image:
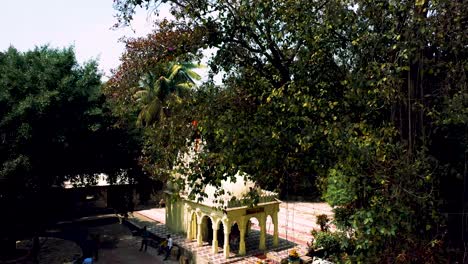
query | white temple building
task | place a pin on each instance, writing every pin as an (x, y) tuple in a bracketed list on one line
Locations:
[(222, 221)]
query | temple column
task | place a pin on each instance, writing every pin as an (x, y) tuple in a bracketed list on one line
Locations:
[(186, 221), (199, 234), (262, 222), (215, 237), (227, 231), (189, 226), (168, 211), (275, 230), (242, 229)]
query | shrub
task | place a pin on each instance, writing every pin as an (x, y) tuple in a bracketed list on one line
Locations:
[(331, 245), (323, 222)]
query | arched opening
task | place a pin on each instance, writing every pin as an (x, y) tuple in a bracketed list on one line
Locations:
[(270, 226), (234, 237), (252, 234), (207, 229), (270, 229), (220, 234)]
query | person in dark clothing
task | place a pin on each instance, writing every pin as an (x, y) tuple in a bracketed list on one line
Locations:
[(95, 246), (145, 239), (162, 246), (36, 247), (91, 247)]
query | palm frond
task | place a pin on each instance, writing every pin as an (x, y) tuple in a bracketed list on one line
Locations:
[(159, 93), (184, 86), (193, 75), (140, 95), (174, 71)]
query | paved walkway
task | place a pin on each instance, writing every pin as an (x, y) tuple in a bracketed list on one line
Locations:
[(296, 219), (121, 247)]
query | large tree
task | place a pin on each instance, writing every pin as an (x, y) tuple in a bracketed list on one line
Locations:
[(369, 97), (54, 125), (156, 79), (265, 52)]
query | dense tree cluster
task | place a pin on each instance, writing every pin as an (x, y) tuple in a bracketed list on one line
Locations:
[(365, 99), (55, 125)]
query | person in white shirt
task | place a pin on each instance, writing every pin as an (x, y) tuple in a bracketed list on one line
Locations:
[(169, 247)]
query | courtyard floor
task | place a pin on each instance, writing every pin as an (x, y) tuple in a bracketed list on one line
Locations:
[(296, 220), (123, 247), (118, 246)]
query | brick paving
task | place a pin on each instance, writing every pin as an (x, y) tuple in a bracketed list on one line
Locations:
[(296, 220)]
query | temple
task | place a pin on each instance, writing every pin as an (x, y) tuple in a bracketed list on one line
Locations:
[(222, 220)]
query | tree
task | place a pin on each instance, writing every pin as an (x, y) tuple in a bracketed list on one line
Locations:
[(366, 97), (258, 45), (392, 157), (155, 77), (54, 125), (156, 95)]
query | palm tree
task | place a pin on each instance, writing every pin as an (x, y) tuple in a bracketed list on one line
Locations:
[(156, 93)]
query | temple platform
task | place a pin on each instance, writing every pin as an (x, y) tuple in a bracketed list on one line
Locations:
[(296, 220)]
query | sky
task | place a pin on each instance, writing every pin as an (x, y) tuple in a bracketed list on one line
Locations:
[(84, 24)]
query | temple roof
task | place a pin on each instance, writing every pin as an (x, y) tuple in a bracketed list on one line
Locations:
[(236, 189), (236, 193)]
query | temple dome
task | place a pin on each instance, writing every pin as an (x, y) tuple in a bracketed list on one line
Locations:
[(239, 188), (236, 188)]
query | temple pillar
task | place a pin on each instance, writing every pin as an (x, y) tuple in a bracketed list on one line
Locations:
[(242, 229), (168, 211), (215, 237), (186, 214), (199, 233), (275, 230), (227, 231), (189, 226), (262, 222)]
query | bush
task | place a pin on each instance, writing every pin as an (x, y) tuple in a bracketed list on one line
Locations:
[(322, 221), (331, 245), (342, 215)]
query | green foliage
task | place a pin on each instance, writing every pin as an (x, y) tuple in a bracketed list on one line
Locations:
[(366, 98), (390, 177), (151, 94), (54, 126), (333, 246), (323, 222), (157, 95)]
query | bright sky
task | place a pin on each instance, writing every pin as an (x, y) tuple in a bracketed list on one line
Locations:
[(85, 24)]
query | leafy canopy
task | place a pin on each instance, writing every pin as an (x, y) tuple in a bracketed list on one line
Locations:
[(366, 99), (54, 125)]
